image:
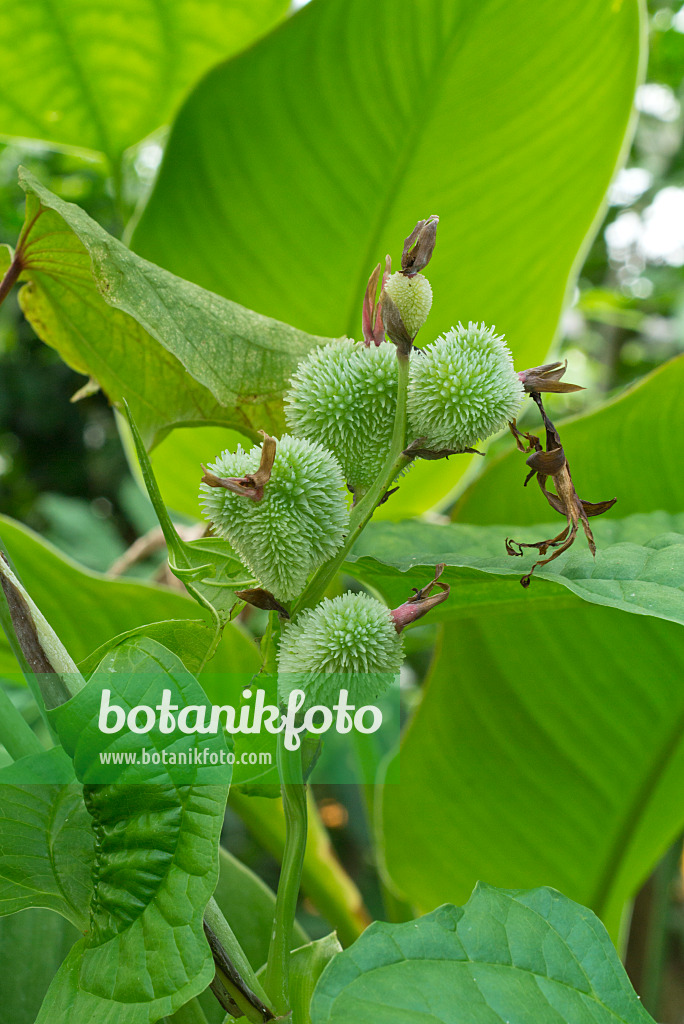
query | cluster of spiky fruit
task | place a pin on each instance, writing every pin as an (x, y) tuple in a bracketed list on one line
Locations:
[(462, 389), (341, 408)]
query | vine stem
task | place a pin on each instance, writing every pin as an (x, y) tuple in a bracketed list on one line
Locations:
[(11, 276), (363, 511), (293, 792)]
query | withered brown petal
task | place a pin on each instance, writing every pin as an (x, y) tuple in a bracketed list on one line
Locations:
[(597, 508), (547, 463), (419, 246), (260, 598)]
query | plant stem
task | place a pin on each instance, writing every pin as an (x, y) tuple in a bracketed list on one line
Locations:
[(11, 275), (363, 511), (224, 933), (294, 804), (324, 880), (15, 733)]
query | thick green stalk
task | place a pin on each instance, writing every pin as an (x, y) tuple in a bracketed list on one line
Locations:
[(363, 511), (189, 1013), (16, 734), (293, 792), (324, 880)]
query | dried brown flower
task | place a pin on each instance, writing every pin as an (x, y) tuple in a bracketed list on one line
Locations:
[(552, 464)]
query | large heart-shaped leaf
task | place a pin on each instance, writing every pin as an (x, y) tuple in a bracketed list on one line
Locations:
[(156, 847), (629, 447), (104, 77), (505, 118), (46, 845), (177, 353), (639, 565), (506, 957), (548, 749)]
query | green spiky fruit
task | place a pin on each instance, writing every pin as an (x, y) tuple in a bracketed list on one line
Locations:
[(344, 396), (463, 388), (413, 298), (299, 523), (348, 642)]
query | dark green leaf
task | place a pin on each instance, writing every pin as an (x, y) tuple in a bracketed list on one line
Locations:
[(505, 118), (32, 946), (84, 608), (155, 864), (46, 846), (639, 565), (506, 957)]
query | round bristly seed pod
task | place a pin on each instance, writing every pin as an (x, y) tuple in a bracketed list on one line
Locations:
[(298, 524), (413, 298), (348, 642), (344, 396), (463, 388)]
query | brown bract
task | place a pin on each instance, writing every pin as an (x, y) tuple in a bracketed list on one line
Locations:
[(373, 327), (419, 246), (547, 378), (252, 485), (553, 465)]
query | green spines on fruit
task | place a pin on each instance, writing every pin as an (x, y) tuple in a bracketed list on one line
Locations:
[(413, 298), (298, 524), (349, 642), (344, 396), (463, 388)]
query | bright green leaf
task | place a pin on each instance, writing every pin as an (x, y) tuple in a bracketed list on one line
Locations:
[(177, 353), (506, 957), (639, 565), (306, 966), (548, 749), (628, 448), (102, 78), (505, 118)]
